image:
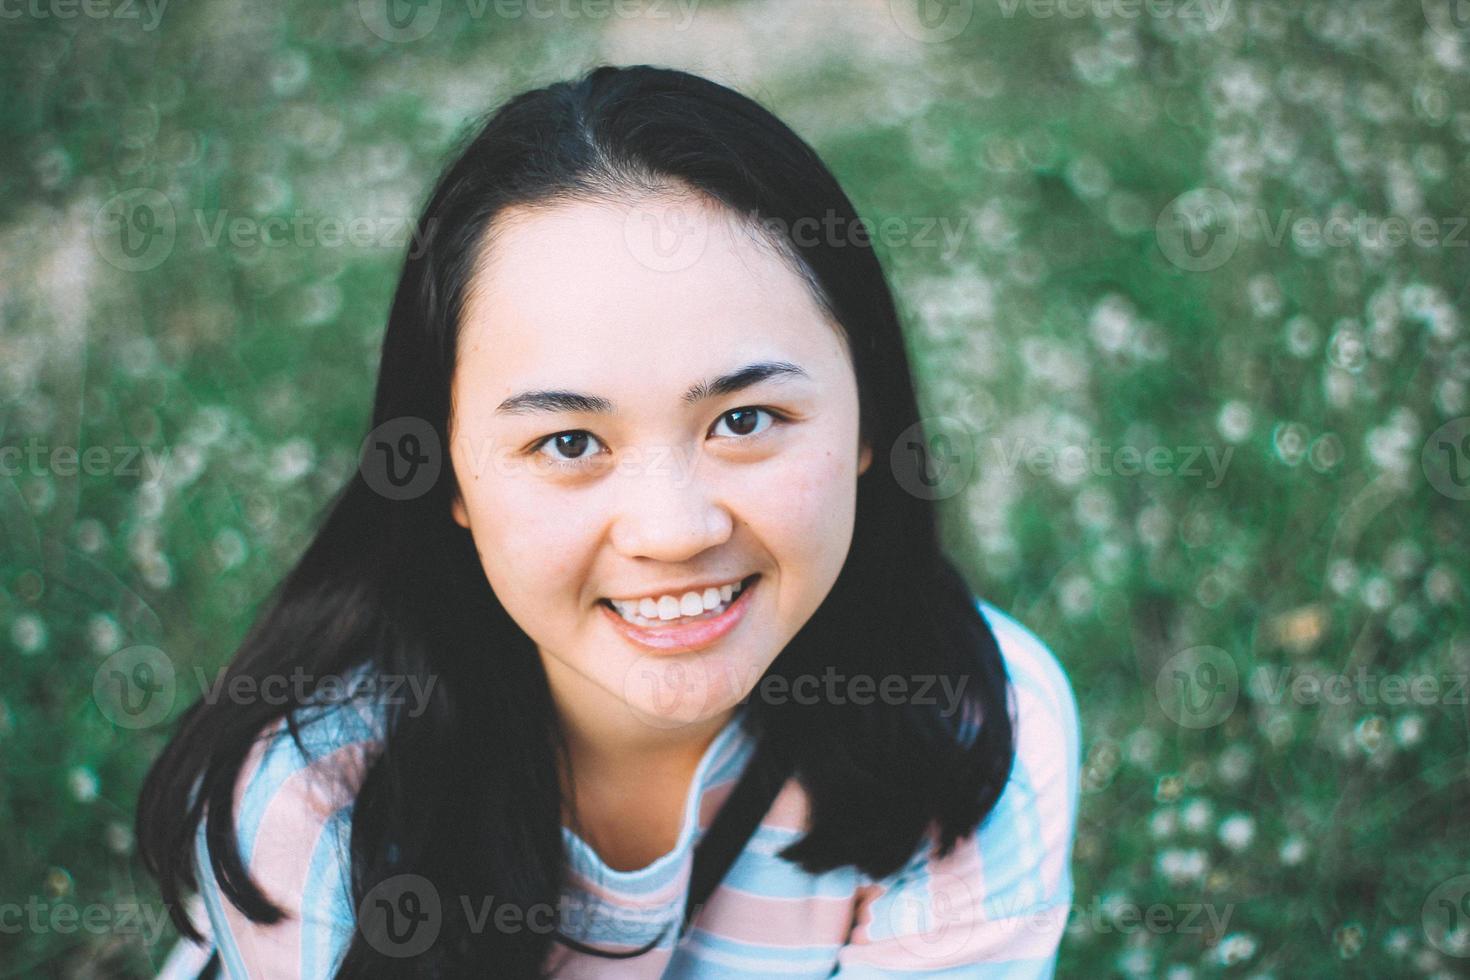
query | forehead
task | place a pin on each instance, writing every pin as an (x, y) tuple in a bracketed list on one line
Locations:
[(653, 282)]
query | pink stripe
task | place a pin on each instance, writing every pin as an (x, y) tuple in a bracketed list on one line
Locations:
[(253, 760), (1042, 751), (791, 809), (710, 802), (760, 920), (1025, 654), (714, 797), (936, 922), (289, 831), (959, 944)]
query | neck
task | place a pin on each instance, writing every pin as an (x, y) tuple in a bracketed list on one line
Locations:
[(611, 746), (600, 750)]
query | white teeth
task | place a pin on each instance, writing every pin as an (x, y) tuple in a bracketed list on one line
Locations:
[(651, 611)]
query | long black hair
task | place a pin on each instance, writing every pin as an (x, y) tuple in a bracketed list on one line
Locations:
[(466, 793)]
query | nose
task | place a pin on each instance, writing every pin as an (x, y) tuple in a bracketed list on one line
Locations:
[(666, 513)]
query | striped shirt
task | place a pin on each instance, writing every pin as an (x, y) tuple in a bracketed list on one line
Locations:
[(996, 906)]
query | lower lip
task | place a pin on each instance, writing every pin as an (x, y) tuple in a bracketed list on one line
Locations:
[(689, 636)]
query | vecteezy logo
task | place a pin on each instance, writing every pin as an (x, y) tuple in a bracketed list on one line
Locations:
[(1197, 230), (399, 21), (401, 916), (664, 692), (934, 458), (1449, 18), (134, 688), (932, 21), (1198, 687), (666, 235), (135, 230), (401, 458), (1446, 458), (935, 921), (1446, 916)]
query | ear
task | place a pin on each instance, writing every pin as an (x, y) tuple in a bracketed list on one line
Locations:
[(865, 458), (458, 512)]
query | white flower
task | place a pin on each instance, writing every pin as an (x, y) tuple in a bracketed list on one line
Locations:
[(1237, 831), (1369, 732), (292, 460), (1111, 323), (29, 632), (1342, 575), (1398, 941), (1377, 593), (1301, 335), (1163, 823), (1076, 596), (1234, 763), (1403, 621), (1264, 294), (1137, 963), (230, 549), (104, 633), (1409, 730), (1154, 524), (1234, 421), (1235, 948), (1290, 440), (1143, 747), (1182, 865), (1440, 585), (1094, 507), (90, 535), (1197, 814), (83, 784), (119, 837), (1403, 558)]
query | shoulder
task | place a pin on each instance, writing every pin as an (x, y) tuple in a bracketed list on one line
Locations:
[(293, 796), (1046, 774), (1040, 799), (292, 818), (1001, 895), (1036, 813), (283, 783), (1033, 668)]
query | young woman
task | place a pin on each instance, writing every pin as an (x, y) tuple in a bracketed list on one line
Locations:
[(653, 665)]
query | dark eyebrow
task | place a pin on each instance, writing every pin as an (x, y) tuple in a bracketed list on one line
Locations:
[(535, 402)]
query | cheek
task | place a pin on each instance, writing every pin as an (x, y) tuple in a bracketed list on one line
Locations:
[(803, 509), (529, 543)]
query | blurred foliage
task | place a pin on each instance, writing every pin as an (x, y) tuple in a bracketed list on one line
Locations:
[(1306, 405)]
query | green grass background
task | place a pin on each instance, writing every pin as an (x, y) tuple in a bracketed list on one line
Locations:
[(1334, 538)]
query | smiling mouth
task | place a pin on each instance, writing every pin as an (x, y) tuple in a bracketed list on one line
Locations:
[(654, 623)]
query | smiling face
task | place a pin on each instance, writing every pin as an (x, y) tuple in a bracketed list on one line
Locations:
[(663, 476)]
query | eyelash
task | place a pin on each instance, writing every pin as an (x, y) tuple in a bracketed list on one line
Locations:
[(778, 418)]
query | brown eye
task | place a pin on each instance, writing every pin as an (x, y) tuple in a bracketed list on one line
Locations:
[(569, 447), (744, 422)]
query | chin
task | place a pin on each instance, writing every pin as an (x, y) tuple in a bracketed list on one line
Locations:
[(672, 692)]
